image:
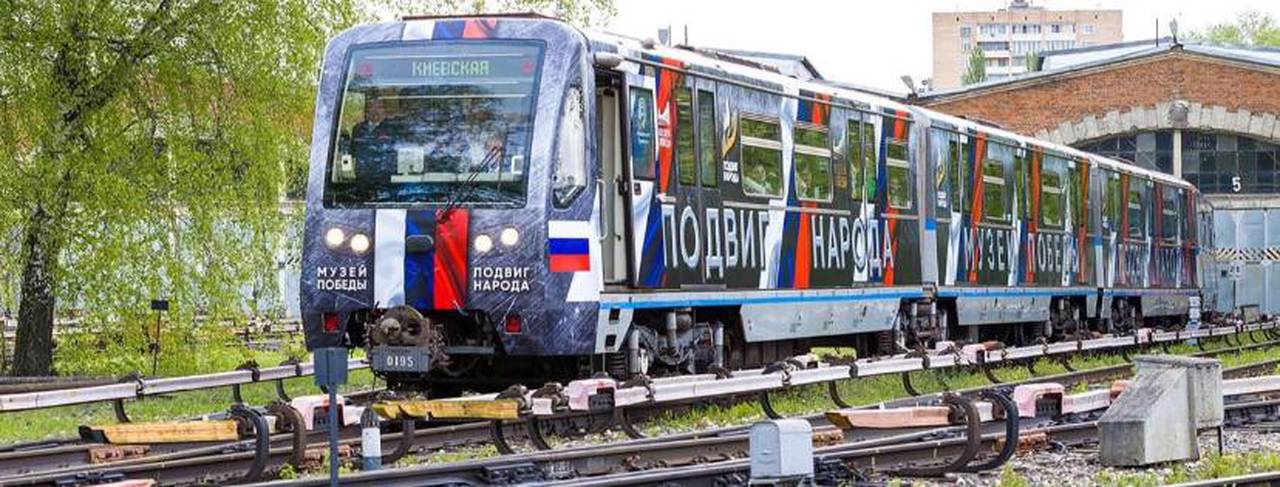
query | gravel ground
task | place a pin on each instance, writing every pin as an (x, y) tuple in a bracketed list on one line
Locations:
[(1060, 466)]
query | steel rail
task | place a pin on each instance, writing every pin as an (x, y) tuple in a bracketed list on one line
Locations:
[(143, 387), (848, 457), (475, 432), (706, 452), (761, 381), (1263, 478)]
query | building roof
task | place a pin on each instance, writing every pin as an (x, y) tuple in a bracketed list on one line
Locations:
[(1058, 63), (794, 65)]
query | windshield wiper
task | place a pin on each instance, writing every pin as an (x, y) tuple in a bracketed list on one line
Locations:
[(468, 186)]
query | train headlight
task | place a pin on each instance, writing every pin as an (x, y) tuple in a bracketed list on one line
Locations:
[(509, 236), (483, 243), (359, 243), (334, 237)]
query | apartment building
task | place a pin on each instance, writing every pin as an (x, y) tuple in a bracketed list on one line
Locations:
[(1008, 35)]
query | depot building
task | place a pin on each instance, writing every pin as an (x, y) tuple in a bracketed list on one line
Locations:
[(1204, 113)]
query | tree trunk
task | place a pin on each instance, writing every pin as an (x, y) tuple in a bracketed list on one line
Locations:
[(33, 350)]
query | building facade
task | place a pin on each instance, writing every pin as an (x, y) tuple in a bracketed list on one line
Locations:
[(1009, 36), (1205, 113)]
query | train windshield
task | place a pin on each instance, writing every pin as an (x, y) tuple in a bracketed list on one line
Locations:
[(435, 123)]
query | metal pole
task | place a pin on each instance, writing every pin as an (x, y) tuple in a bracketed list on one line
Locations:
[(155, 347), (333, 435)]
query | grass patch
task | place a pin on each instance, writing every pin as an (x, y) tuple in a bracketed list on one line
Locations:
[(1011, 478), (1212, 466), (62, 422)]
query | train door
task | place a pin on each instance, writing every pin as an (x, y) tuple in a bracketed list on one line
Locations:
[(645, 184), (710, 203), (697, 249), (611, 178)]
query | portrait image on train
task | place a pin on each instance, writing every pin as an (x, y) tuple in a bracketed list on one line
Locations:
[(500, 199)]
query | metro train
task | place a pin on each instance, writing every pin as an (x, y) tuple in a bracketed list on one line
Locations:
[(501, 199)]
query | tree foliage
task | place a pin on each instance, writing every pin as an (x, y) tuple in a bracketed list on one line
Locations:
[(1250, 29), (146, 145), (977, 67)]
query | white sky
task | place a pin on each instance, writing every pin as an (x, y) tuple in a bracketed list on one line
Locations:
[(846, 40)]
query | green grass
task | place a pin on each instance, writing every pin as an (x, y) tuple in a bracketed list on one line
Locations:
[(1011, 478), (1212, 466), (62, 422)]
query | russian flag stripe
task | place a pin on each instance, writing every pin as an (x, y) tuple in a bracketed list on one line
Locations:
[(568, 263), (569, 246)]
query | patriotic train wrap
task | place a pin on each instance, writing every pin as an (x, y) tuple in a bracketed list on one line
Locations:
[(787, 209)]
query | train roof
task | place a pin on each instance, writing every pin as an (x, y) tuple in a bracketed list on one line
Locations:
[(739, 68), (724, 61)]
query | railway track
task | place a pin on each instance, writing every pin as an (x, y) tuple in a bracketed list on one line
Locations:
[(221, 463), (718, 457)]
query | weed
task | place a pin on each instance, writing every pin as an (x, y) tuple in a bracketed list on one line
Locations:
[(1011, 478)]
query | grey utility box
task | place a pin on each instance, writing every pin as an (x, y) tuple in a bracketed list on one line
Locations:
[(781, 450), (1158, 416)]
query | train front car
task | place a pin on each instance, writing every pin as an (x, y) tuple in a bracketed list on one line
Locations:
[(448, 211)]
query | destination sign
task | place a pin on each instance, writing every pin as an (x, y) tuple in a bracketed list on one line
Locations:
[(454, 68), (516, 62)]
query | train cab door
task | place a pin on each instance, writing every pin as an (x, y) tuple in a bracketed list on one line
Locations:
[(611, 179), (701, 188)]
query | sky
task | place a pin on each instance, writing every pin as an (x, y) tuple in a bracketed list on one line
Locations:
[(846, 39)]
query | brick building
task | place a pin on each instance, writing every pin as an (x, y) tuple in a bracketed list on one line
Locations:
[(1205, 113)]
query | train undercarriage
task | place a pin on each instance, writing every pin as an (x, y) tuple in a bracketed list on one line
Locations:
[(703, 340)]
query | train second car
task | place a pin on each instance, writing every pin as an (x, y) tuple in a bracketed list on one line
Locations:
[(507, 199)]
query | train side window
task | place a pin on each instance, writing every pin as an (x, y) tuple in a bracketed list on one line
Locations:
[(1078, 182), (1171, 214), (1051, 194), (870, 160), (642, 147), (1137, 222), (856, 163), (570, 175), (684, 137), (1021, 183), (761, 157), (899, 174), (953, 171), (812, 163), (993, 189), (707, 153), (1112, 211)]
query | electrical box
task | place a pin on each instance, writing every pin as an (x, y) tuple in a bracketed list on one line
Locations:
[(781, 450), (331, 366)]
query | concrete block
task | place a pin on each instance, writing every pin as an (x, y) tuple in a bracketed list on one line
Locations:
[(781, 450), (1219, 117), (1161, 115), (1205, 379), (1067, 132), (1241, 123), (1154, 118), (1091, 127), (1268, 125), (1157, 417), (1194, 112)]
